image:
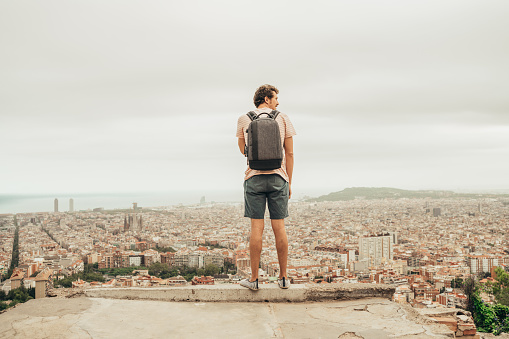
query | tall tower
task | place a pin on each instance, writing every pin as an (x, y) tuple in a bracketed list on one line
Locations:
[(55, 205), (133, 222), (71, 205), (437, 211)]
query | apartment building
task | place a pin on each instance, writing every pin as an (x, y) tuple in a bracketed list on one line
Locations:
[(485, 263), (375, 248)]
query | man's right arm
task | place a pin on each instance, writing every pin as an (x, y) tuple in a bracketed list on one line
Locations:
[(242, 144)]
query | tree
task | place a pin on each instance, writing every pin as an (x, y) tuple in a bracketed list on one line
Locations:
[(18, 295), (483, 275), (469, 289), (501, 286), (65, 282), (121, 270), (228, 267), (89, 276), (165, 249), (211, 269), (15, 250), (457, 283), (31, 292), (157, 269), (502, 277)]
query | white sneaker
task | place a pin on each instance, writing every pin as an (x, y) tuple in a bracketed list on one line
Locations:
[(283, 283), (252, 285)]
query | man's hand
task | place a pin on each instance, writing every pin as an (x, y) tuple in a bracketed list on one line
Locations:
[(289, 191)]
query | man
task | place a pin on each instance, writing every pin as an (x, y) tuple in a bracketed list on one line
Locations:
[(272, 187)]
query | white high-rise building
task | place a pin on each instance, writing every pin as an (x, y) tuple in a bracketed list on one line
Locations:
[(71, 205), (376, 247), (55, 205)]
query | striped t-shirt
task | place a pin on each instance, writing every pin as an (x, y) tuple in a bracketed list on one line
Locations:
[(286, 130)]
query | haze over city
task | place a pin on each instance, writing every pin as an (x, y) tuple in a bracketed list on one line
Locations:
[(144, 97), (121, 176)]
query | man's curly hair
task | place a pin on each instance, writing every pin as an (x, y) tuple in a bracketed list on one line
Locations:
[(262, 92)]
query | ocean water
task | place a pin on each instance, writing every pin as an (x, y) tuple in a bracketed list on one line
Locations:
[(44, 203)]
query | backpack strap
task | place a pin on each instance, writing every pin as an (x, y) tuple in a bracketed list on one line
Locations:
[(252, 115), (274, 114)]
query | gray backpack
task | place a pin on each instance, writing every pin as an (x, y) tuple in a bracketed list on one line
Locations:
[(263, 150)]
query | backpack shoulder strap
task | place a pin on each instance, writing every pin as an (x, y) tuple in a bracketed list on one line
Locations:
[(252, 115), (274, 114)]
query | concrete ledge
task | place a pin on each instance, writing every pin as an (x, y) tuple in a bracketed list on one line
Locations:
[(86, 318), (236, 293)]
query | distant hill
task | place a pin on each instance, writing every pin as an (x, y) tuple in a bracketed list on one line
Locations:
[(352, 193)]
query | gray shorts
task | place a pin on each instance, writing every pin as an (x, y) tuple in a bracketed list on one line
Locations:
[(266, 189)]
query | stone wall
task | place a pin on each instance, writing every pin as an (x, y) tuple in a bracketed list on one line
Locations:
[(236, 293)]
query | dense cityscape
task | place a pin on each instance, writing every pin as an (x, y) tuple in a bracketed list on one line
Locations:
[(426, 248)]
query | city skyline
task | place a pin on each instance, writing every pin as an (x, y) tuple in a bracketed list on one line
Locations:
[(398, 94), (42, 203)]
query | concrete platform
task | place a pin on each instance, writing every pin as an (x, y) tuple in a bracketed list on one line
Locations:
[(236, 293), (84, 317)]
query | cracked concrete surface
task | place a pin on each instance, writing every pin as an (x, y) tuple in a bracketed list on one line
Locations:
[(45, 318), (111, 318)]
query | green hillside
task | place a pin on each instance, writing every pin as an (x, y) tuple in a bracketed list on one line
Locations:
[(352, 193)]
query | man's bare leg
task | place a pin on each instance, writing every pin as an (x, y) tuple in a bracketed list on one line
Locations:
[(278, 226), (255, 246)]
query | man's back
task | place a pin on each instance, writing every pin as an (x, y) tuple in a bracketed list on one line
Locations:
[(271, 188), (286, 130)]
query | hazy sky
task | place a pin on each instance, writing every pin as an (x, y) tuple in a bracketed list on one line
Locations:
[(109, 96)]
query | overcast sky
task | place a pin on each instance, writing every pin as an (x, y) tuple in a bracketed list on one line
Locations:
[(115, 96)]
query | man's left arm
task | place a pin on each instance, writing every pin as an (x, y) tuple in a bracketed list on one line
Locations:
[(289, 162)]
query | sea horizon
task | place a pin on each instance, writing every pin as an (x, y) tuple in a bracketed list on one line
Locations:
[(40, 203)]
